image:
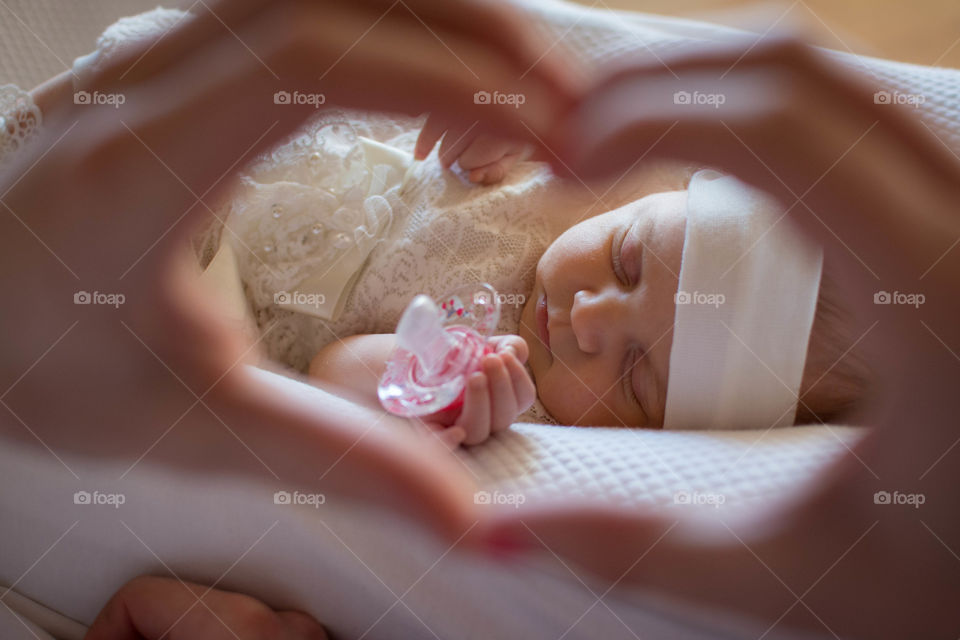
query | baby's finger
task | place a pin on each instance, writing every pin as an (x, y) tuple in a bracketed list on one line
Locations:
[(454, 143), (431, 133), (475, 417), (523, 387), (495, 171), (486, 150), (450, 437), (505, 344), (502, 399)]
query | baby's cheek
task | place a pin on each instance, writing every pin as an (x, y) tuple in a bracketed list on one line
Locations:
[(564, 397)]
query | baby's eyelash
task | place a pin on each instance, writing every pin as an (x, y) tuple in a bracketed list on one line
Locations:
[(616, 250), (631, 362)]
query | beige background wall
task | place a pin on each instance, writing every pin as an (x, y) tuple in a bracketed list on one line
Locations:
[(920, 31), (39, 38)]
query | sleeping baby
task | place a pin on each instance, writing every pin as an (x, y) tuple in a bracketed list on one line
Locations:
[(674, 301)]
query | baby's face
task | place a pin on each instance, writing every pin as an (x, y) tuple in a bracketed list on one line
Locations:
[(600, 320)]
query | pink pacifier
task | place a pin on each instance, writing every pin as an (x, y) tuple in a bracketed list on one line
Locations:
[(438, 347)]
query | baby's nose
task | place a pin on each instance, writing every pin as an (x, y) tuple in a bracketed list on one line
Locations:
[(591, 318)]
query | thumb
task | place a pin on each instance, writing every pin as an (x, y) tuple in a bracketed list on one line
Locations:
[(300, 626), (694, 557), (324, 442), (602, 539)]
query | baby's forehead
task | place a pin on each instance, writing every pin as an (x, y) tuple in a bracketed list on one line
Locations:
[(663, 212), (662, 203), (659, 207)]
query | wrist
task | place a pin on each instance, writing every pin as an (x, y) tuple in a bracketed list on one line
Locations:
[(53, 93)]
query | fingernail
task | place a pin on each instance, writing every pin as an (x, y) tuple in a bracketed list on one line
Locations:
[(505, 543)]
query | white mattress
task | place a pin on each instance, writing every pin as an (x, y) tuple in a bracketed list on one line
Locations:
[(348, 565), (71, 557), (650, 468)]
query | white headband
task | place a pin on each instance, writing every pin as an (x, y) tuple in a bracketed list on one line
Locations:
[(748, 290)]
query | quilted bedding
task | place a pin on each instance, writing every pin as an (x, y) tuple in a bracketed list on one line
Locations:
[(632, 467)]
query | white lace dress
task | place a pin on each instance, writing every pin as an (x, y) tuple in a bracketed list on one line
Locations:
[(334, 233), (20, 120)]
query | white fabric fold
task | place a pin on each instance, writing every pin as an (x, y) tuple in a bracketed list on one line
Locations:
[(388, 170)]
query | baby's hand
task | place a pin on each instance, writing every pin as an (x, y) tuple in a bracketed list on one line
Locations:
[(487, 158), (494, 396)]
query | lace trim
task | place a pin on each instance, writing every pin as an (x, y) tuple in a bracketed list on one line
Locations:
[(123, 34), (20, 120)]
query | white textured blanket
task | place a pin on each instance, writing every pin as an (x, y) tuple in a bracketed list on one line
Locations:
[(71, 559)]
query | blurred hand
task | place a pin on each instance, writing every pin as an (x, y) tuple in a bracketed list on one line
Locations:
[(151, 608), (111, 193), (422, 55), (882, 195)]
